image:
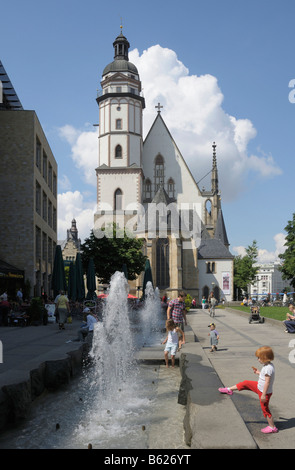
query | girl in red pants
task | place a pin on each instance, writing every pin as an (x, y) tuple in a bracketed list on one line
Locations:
[(263, 387)]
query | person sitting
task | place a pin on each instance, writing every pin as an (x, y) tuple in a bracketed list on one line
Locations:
[(290, 320)]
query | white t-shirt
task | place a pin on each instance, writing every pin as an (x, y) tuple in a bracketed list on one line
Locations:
[(91, 321), (266, 370), (172, 337)]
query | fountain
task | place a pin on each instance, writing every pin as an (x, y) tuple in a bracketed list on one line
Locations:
[(112, 406)]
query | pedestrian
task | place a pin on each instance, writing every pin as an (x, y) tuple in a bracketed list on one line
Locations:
[(203, 302), (290, 320), (264, 386), (63, 308), (19, 296), (194, 303), (176, 311), (214, 337), (213, 303), (173, 341)]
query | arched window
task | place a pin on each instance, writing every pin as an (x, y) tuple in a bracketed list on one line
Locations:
[(148, 189), (163, 277), (159, 172), (171, 188), (208, 206), (118, 200), (118, 151)]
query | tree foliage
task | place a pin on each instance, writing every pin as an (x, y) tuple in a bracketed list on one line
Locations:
[(112, 251), (288, 257), (244, 269)]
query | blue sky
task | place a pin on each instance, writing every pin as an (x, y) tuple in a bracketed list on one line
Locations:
[(237, 57)]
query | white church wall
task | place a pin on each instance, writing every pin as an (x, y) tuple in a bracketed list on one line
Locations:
[(218, 278)]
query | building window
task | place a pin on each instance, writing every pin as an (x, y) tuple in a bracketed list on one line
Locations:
[(118, 151), (50, 176), (163, 277), (211, 267), (38, 198), (38, 153), (148, 189), (159, 172), (171, 188), (54, 185), (45, 166), (44, 206), (118, 124), (118, 200)]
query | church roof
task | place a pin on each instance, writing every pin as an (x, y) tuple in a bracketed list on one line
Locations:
[(161, 196), (212, 248), (220, 230)]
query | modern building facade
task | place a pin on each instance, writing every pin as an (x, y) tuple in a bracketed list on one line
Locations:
[(28, 192), (268, 280), (146, 185)]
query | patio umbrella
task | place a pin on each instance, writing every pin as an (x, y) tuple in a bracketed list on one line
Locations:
[(147, 276), (79, 278), (72, 287), (125, 270), (58, 281), (91, 284)]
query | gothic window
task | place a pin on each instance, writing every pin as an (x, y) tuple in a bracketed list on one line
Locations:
[(163, 277), (171, 188), (159, 172), (208, 206), (118, 151), (148, 189), (118, 200)]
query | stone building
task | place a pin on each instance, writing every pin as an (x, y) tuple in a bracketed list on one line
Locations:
[(147, 186), (28, 192), (71, 245)]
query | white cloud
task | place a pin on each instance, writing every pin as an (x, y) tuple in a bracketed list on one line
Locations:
[(72, 205), (192, 110), (265, 256), (84, 147)]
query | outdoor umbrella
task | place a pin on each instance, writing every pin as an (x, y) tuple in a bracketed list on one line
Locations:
[(79, 278), (58, 281), (91, 284), (125, 270), (147, 276), (72, 288)]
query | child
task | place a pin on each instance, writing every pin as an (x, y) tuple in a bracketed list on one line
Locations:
[(172, 340), (214, 337), (263, 387)]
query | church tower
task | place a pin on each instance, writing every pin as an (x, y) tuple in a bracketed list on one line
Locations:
[(119, 174)]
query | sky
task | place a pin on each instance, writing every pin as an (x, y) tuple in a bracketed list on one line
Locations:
[(223, 70)]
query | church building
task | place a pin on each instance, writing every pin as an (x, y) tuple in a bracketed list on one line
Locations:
[(146, 186)]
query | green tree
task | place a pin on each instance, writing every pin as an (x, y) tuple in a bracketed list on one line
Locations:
[(244, 269), (288, 257), (112, 251)]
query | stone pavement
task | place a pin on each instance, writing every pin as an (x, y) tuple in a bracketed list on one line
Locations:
[(232, 363)]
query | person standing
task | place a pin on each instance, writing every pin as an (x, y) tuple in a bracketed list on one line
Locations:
[(176, 311), (172, 341), (214, 337), (63, 307), (19, 296)]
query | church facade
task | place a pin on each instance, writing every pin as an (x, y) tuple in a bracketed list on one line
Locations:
[(146, 186)]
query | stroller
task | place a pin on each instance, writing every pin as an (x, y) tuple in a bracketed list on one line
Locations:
[(255, 315)]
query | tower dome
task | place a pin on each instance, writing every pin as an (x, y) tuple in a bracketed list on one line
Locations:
[(121, 61)]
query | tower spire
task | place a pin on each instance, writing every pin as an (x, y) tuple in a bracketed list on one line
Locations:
[(214, 178)]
